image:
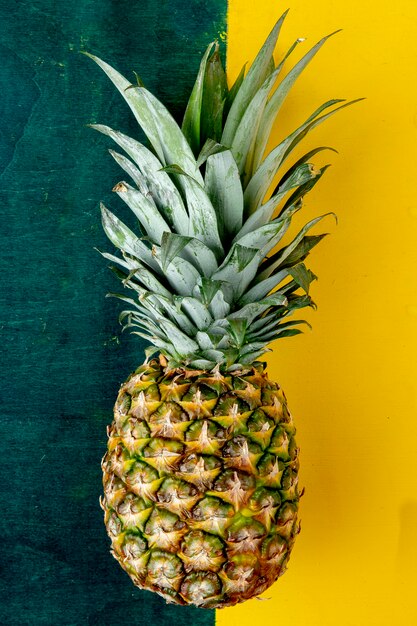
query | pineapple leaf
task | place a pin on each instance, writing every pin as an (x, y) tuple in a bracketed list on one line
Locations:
[(204, 340), (214, 96), (302, 249), (181, 275), (144, 277), (203, 364), (301, 302), (202, 215), (197, 312), (237, 330), (208, 288), (120, 296), (312, 123), (277, 99), (223, 187), (297, 167), (201, 257), (218, 306), (115, 259), (211, 295), (174, 313), (171, 246), (258, 72), (238, 271), (300, 176), (174, 144), (210, 147), (163, 190), (156, 122), (234, 90), (302, 276), (281, 257), (243, 140), (235, 263), (215, 355), (131, 169), (146, 212), (264, 175), (134, 98), (298, 254), (266, 237), (290, 332), (192, 118), (295, 199), (183, 345), (250, 357), (123, 238), (251, 311)]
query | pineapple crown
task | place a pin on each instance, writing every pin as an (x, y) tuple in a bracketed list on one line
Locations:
[(212, 285)]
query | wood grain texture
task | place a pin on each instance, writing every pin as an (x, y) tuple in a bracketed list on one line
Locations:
[(63, 360)]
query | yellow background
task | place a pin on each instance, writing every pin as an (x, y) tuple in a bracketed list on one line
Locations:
[(351, 382)]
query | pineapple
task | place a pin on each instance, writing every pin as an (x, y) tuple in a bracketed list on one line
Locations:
[(201, 472)]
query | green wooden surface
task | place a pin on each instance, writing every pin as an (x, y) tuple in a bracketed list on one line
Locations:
[(62, 360)]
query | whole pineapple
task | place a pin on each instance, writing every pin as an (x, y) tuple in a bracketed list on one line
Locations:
[(200, 476)]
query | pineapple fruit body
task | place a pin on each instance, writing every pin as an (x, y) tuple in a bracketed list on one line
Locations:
[(200, 483)]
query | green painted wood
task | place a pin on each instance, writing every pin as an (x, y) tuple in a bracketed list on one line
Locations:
[(63, 357)]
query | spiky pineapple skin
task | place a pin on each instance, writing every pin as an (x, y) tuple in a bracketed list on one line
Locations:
[(201, 483)]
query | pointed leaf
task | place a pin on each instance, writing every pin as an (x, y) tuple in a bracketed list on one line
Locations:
[(251, 357), (174, 145), (223, 187), (131, 169), (204, 341), (278, 98), (171, 246), (146, 212), (280, 258), (192, 117), (234, 90), (157, 123), (264, 175), (145, 278), (238, 271), (174, 313), (251, 311), (297, 167), (115, 259), (300, 176), (181, 275), (298, 254), (218, 306), (202, 216), (197, 312), (214, 96), (201, 257), (259, 70), (125, 239), (202, 364), (184, 345), (164, 193), (210, 147), (302, 276), (244, 138), (295, 199), (266, 237), (237, 329)]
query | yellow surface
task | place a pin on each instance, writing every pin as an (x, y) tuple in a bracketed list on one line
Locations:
[(351, 383)]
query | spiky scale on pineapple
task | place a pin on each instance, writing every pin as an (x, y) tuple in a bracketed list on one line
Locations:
[(201, 472)]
